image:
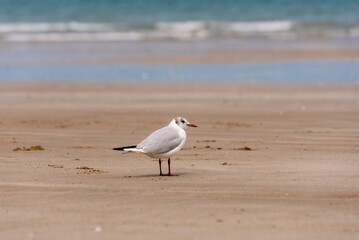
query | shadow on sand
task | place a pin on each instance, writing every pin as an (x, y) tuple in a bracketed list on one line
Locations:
[(157, 175)]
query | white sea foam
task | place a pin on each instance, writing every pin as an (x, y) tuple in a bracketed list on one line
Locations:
[(54, 27), (98, 37), (204, 29), (188, 30), (74, 37), (187, 26), (269, 26), (85, 32), (180, 31)]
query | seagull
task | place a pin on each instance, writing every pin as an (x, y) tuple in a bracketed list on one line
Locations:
[(163, 143)]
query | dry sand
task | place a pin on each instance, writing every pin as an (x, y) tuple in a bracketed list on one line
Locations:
[(59, 178)]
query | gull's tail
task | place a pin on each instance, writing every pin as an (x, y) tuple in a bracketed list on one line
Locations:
[(124, 148)]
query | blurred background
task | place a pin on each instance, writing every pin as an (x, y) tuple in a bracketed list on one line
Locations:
[(180, 41)]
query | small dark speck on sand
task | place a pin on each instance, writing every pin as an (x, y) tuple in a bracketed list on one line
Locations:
[(84, 167), (245, 148), (32, 148), (55, 166)]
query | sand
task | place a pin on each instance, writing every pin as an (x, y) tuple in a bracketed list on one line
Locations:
[(267, 162), (170, 54), (237, 56)]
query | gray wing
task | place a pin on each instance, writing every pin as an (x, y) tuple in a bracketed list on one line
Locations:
[(161, 141)]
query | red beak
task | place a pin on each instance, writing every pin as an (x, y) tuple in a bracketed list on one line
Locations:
[(191, 125)]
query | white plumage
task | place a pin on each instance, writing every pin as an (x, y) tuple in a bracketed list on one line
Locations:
[(164, 142)]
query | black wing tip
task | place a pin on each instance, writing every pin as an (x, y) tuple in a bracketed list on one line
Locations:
[(122, 148), (117, 149)]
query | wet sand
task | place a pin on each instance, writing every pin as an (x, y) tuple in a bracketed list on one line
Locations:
[(267, 162), (238, 56), (171, 53)]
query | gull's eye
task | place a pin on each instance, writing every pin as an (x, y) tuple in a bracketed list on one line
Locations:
[(182, 121)]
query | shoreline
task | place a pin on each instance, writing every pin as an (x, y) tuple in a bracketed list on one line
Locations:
[(241, 56), (177, 52), (211, 61)]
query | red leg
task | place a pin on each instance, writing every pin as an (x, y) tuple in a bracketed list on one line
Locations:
[(159, 162), (169, 168)]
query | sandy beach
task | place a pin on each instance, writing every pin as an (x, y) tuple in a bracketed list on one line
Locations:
[(268, 161)]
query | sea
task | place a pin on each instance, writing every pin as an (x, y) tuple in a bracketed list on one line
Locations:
[(48, 40)]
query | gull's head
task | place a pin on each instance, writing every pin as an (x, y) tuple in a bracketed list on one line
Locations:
[(183, 123)]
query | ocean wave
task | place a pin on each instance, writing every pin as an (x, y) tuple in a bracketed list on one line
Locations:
[(187, 26), (99, 37), (240, 27), (74, 37), (92, 32), (54, 27), (270, 26), (180, 31)]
